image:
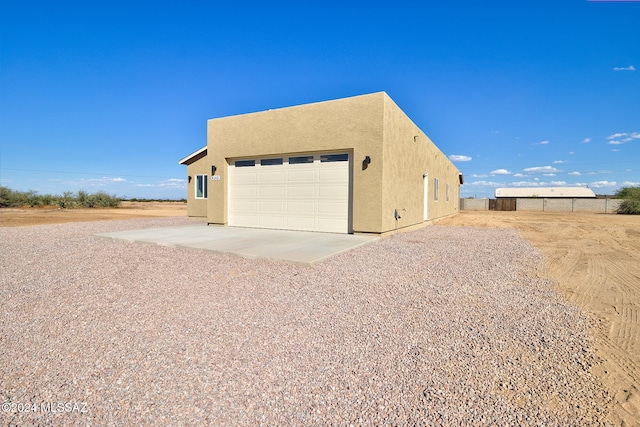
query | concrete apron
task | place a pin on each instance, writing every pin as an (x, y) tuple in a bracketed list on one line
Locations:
[(299, 247)]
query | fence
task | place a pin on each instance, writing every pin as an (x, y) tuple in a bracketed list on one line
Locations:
[(543, 205)]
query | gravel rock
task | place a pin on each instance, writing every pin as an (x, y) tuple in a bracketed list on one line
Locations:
[(440, 326)]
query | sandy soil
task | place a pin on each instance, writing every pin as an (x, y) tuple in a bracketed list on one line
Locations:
[(10, 217), (595, 261)]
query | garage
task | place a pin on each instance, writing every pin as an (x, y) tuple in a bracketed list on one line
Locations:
[(307, 192)]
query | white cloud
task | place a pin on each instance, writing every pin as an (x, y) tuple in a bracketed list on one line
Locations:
[(482, 175), (586, 140), (485, 184), (574, 173), (173, 183), (459, 158), (500, 172), (602, 184), (518, 175), (622, 138), (629, 68), (571, 152), (549, 174), (559, 183), (545, 142), (559, 161), (631, 184), (527, 184), (542, 169)]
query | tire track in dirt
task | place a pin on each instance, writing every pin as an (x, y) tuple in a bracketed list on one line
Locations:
[(595, 261)]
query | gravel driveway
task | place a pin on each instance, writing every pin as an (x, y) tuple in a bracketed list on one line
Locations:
[(441, 326)]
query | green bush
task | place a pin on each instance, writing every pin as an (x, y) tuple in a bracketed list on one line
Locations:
[(631, 204), (66, 200), (629, 207)]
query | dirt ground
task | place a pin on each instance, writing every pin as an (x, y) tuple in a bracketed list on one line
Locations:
[(595, 261), (10, 217), (593, 258)]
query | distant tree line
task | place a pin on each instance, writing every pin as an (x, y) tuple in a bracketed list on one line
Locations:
[(17, 199)]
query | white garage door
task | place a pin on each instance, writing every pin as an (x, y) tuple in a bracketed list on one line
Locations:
[(302, 192)]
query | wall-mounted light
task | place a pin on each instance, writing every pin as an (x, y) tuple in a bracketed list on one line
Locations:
[(415, 138), (365, 162), (213, 170), (189, 178)]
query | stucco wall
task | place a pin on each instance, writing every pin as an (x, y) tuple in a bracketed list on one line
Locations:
[(351, 124), (408, 155), (368, 125), (198, 166)]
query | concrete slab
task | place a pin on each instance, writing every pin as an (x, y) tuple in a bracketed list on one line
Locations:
[(300, 247)]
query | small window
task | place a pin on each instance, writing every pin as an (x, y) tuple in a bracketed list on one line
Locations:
[(245, 163), (201, 186), (300, 159), (435, 192), (447, 192), (334, 158), (271, 162)]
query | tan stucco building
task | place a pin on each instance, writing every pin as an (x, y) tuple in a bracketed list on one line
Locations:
[(352, 165)]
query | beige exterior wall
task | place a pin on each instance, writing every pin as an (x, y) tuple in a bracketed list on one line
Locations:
[(408, 155), (199, 165), (368, 125)]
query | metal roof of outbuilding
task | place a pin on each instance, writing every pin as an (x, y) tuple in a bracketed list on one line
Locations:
[(545, 192)]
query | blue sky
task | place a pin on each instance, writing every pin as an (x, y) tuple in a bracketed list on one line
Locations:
[(108, 96)]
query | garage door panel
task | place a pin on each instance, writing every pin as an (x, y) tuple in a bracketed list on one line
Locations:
[(301, 175), (245, 192), (271, 221), (243, 220), (271, 207), (245, 178), (333, 192), (333, 175), (332, 209), (302, 192), (272, 191), (248, 206), (270, 177), (309, 195), (331, 224), (302, 207)]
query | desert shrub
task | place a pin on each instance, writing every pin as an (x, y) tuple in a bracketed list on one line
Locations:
[(66, 200), (102, 200), (47, 199), (629, 207), (15, 199), (82, 199), (631, 204), (6, 197)]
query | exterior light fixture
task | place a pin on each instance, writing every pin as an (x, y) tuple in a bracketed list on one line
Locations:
[(189, 178), (213, 170), (365, 162)]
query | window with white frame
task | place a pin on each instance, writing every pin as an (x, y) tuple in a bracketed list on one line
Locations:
[(435, 190), (201, 186)]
